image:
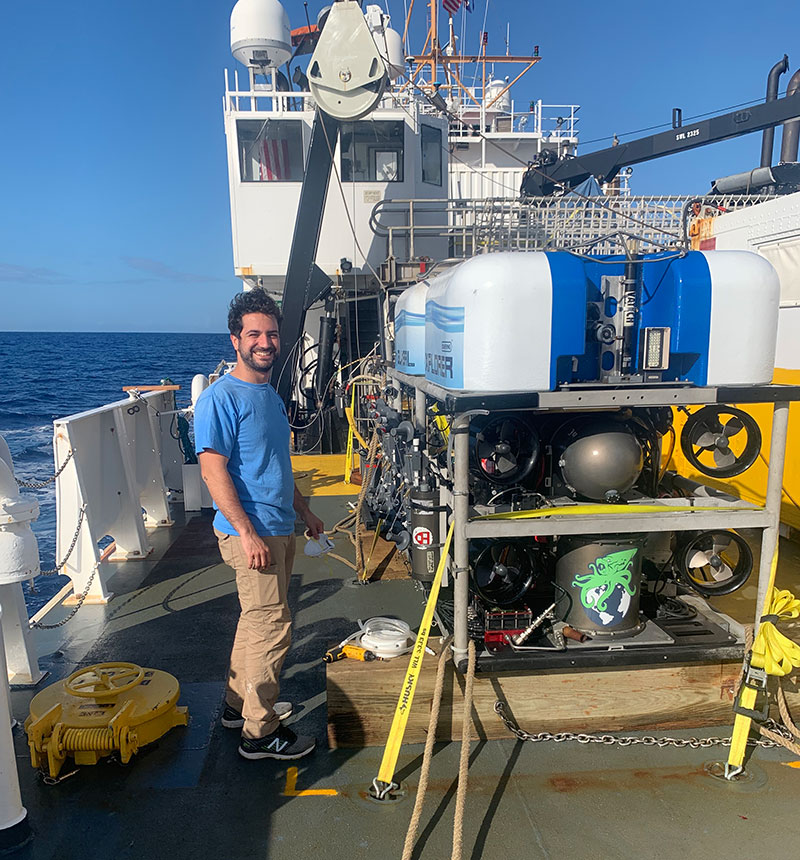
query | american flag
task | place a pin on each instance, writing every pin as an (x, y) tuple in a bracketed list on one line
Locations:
[(451, 6), (274, 161)]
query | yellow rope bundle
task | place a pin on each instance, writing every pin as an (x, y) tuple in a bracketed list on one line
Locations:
[(772, 651)]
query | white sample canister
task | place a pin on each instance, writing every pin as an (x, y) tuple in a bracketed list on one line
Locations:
[(500, 322), (409, 330)]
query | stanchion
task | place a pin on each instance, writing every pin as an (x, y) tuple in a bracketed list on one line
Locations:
[(14, 827)]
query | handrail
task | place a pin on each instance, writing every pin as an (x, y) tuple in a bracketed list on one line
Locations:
[(493, 224), (561, 125)]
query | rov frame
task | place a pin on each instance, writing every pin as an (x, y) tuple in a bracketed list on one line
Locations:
[(731, 514)]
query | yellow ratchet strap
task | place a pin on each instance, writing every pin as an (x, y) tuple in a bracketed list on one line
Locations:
[(772, 654), (348, 457), (441, 421), (384, 782), (352, 432), (365, 575), (348, 411), (576, 510)]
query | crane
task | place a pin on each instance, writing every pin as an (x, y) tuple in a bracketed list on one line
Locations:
[(550, 173)]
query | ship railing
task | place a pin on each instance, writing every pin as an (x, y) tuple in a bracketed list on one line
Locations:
[(557, 124), (474, 226), (262, 98), (268, 98), (120, 461), (554, 123)]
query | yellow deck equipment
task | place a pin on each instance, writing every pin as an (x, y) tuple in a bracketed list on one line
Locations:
[(103, 709)]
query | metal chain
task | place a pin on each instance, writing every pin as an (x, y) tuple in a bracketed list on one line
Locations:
[(55, 780), (81, 599), (645, 740), (58, 567), (38, 485)]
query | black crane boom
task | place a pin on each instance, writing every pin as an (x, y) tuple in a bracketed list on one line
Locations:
[(568, 171)]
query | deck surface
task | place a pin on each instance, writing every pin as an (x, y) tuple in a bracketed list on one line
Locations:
[(191, 795)]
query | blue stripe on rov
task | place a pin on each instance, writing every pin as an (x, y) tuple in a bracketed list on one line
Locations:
[(444, 318), (406, 318)]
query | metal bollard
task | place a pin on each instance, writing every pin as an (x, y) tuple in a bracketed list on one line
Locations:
[(19, 560), (14, 826)]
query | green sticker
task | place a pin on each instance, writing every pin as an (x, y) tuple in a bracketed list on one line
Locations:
[(608, 572)]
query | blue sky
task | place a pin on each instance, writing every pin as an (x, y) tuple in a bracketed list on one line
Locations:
[(115, 212)]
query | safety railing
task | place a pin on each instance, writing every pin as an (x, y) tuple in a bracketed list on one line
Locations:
[(549, 122), (554, 123), (474, 226)]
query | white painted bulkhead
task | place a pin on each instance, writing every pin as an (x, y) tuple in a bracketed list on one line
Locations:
[(265, 185)]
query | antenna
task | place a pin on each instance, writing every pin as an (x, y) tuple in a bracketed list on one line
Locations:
[(260, 34)]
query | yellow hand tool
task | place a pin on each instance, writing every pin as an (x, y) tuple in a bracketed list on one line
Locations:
[(354, 652)]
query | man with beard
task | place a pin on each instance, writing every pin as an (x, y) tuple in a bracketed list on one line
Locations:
[(242, 438)]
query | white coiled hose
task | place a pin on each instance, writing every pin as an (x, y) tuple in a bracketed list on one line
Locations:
[(385, 637)]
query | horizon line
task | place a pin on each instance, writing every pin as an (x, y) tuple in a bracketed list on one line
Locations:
[(99, 331)]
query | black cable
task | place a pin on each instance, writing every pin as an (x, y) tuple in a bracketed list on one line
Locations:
[(661, 577), (651, 296), (667, 125)]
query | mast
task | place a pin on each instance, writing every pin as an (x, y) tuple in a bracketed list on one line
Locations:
[(434, 4), (453, 61)]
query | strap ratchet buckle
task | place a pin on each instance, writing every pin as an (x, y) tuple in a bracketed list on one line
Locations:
[(755, 679)]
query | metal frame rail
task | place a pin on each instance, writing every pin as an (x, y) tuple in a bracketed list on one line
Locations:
[(732, 514)]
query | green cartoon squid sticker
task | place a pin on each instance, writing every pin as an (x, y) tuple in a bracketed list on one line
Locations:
[(606, 591)]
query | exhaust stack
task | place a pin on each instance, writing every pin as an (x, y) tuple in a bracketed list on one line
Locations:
[(768, 138), (791, 130)]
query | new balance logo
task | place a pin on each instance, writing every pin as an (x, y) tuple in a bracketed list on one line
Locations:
[(278, 745)]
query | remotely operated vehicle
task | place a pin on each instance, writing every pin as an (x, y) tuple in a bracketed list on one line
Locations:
[(615, 341)]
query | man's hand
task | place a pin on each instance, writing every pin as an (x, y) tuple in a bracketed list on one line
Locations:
[(315, 525), (256, 552)]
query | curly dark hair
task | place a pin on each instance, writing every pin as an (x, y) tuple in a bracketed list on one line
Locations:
[(251, 302)]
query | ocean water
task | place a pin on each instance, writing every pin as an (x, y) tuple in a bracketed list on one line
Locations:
[(49, 375)]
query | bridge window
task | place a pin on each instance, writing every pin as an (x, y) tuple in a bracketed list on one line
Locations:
[(431, 155), (372, 151), (270, 150)]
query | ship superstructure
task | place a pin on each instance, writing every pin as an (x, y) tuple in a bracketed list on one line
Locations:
[(464, 138)]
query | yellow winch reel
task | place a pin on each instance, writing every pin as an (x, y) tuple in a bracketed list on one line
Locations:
[(99, 710)]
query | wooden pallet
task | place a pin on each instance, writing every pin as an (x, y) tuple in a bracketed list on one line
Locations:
[(385, 562), (362, 698)]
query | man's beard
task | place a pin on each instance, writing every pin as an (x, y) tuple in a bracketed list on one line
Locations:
[(259, 363)]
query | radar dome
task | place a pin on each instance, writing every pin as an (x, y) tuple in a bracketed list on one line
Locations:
[(260, 33), (388, 41), (390, 47)]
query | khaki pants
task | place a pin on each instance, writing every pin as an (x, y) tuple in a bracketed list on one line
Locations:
[(263, 634)]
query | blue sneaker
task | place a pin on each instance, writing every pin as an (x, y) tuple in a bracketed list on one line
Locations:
[(282, 744)]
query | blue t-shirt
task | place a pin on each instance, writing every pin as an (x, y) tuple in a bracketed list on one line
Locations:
[(247, 423)]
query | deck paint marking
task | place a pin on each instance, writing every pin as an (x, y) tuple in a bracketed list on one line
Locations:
[(291, 787)]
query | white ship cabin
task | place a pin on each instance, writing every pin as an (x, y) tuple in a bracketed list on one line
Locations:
[(398, 152), (405, 149), (493, 164)]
